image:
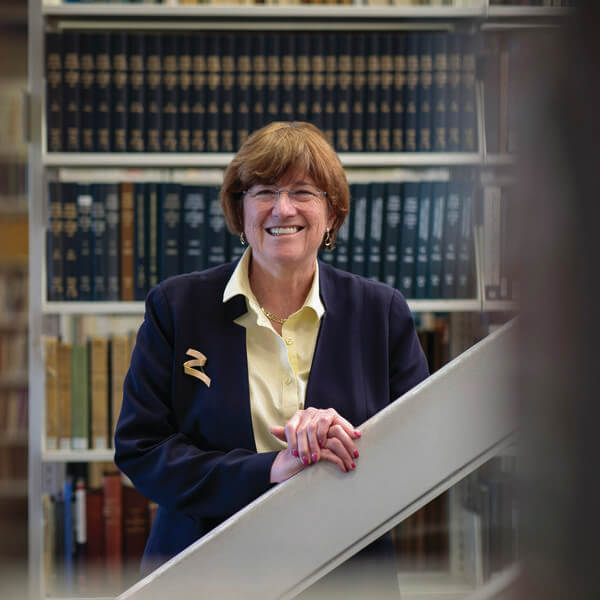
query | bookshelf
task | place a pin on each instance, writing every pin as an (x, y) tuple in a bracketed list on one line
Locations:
[(90, 166)]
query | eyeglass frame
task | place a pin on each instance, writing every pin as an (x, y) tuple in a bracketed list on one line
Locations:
[(291, 193)]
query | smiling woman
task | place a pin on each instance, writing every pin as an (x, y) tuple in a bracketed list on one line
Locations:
[(296, 352)]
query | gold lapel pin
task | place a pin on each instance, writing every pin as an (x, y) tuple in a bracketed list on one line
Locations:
[(199, 360)]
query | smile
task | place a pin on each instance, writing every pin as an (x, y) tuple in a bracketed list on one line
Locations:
[(283, 230)]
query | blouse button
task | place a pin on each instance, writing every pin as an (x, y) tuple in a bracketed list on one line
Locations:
[(289, 341), (288, 381)]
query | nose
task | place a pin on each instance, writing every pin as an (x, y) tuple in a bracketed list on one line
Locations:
[(284, 205)]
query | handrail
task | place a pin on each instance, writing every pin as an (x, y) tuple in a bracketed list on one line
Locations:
[(410, 452)]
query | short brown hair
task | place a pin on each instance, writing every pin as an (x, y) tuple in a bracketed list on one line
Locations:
[(269, 153)]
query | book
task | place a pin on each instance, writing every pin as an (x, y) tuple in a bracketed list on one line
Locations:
[(140, 257), (69, 540), (213, 92), (50, 348), (317, 78), (113, 529), (227, 93), (54, 243), (79, 397), (259, 80), (342, 246), (359, 92), (151, 233), (119, 365), (408, 239), (422, 251), (170, 93), (343, 93), (288, 78), (440, 93), (71, 91), (170, 230), (399, 93), (468, 117), (375, 223), (64, 395), (438, 209), (358, 229), (88, 94), (451, 233), (391, 232), (54, 92), (184, 55), (243, 89), (153, 93), (136, 518), (127, 226), (119, 90), (70, 241), (84, 241), (215, 230), (112, 207), (136, 92), (466, 251), (453, 93), (99, 392), (425, 93), (195, 200), (492, 206), (101, 43), (386, 93), (303, 78), (198, 94), (99, 244)]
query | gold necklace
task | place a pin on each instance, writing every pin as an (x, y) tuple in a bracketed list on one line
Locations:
[(273, 317)]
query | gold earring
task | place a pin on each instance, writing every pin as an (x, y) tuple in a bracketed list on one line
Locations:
[(328, 241), (243, 239)]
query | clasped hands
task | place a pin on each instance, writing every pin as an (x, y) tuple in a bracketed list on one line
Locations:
[(314, 434)]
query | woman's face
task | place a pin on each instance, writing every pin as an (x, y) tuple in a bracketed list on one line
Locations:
[(284, 229)]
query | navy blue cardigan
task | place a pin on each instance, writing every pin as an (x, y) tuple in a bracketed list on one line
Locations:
[(190, 447)]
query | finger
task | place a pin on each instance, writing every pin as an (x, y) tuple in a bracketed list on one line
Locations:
[(346, 425), (291, 435), (313, 440), (324, 422), (278, 432), (335, 446), (336, 431), (302, 439), (331, 457)]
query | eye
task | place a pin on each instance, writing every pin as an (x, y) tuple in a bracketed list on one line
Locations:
[(304, 194), (264, 193)]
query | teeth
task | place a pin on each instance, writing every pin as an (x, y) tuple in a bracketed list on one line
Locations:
[(282, 230)]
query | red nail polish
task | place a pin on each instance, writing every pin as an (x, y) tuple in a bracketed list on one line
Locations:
[(305, 460), (295, 452), (357, 433), (356, 454), (314, 457), (353, 466)]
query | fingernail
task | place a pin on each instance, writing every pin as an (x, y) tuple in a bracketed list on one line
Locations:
[(295, 452), (305, 460), (320, 443), (356, 454), (353, 466), (314, 457), (357, 433)]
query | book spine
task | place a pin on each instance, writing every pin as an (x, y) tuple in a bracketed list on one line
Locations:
[(453, 100), (153, 79), (343, 94), (303, 78), (198, 94), (152, 234), (54, 92), (342, 243), (288, 78), (227, 97), (317, 79), (492, 200), (422, 253), (273, 76), (438, 208), (50, 345), (391, 232), (113, 230), (64, 395), (99, 393), (358, 232), (376, 217), (135, 529), (140, 256), (386, 90), (54, 244), (136, 96), (127, 241), (258, 114), (425, 93), (243, 96), (491, 91), (170, 94), (194, 226), (69, 530), (113, 529), (359, 93), (400, 92), (374, 97), (119, 84), (101, 43), (119, 363), (71, 91), (70, 241), (170, 224), (184, 53), (330, 100), (440, 92), (451, 231), (214, 93), (464, 268), (215, 230), (408, 239), (79, 397), (84, 241), (88, 93), (411, 93), (99, 243), (468, 118)]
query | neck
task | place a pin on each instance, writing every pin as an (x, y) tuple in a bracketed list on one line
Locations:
[(281, 291)]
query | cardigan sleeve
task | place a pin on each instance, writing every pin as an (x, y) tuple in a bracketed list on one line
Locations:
[(162, 462), (408, 365)]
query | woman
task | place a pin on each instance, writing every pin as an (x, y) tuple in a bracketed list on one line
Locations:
[(245, 374)]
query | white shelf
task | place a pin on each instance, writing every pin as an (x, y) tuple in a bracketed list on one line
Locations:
[(78, 455), (93, 308), (257, 11), (522, 12), (467, 305), (222, 159)]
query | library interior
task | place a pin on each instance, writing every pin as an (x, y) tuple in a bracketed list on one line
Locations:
[(466, 130)]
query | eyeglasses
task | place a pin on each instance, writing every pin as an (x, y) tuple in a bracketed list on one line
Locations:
[(300, 194)]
